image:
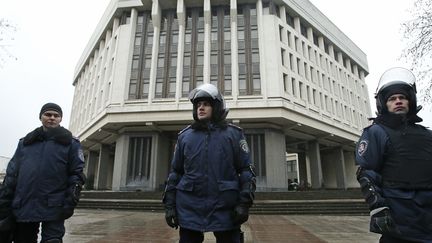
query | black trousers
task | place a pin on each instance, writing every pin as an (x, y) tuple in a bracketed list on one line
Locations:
[(28, 232), (192, 236), (390, 239), (6, 236)]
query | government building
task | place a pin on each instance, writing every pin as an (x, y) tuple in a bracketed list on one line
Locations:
[(291, 79)]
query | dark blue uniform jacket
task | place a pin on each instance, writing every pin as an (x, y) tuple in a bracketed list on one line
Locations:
[(212, 167), (43, 172), (411, 209)]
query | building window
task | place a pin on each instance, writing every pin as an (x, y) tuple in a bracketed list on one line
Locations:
[(257, 152), (248, 53), (141, 58), (167, 56), (193, 62), (289, 19), (220, 53), (138, 171)]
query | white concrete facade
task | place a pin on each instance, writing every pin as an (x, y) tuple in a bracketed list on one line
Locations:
[(312, 96)]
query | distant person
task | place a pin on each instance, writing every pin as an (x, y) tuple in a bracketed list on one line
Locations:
[(394, 156), (211, 184), (290, 181), (295, 185), (44, 179)]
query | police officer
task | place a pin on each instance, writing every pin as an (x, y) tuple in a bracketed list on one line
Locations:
[(44, 179), (394, 156), (211, 184)]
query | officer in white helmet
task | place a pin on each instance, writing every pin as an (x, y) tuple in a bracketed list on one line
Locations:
[(211, 185), (394, 156)]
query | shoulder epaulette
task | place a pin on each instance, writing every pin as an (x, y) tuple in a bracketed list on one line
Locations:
[(184, 129), (367, 127), (235, 126)]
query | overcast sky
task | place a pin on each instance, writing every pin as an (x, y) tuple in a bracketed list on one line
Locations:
[(51, 35)]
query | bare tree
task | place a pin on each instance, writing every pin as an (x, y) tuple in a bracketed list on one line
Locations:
[(417, 32), (7, 31)]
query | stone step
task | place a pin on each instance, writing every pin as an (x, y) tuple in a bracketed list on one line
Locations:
[(328, 207), (287, 195)]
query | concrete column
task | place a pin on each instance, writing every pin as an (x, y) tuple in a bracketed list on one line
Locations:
[(234, 50), (331, 50), (156, 17), (348, 64), (315, 165), (350, 169), (291, 41), (339, 160), (355, 70), (90, 169), (207, 37), (297, 25), (116, 23), (181, 16), (161, 160), (122, 63), (308, 74), (296, 88), (262, 49), (120, 163), (309, 32), (276, 160), (104, 169), (282, 12), (321, 43), (339, 57)]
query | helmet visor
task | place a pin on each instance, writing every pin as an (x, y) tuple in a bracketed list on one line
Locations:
[(396, 76), (205, 90)]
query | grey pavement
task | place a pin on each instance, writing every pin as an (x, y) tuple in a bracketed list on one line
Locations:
[(107, 226)]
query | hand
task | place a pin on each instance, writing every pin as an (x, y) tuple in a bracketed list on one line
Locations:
[(241, 214), (67, 212), (382, 222), (171, 217)]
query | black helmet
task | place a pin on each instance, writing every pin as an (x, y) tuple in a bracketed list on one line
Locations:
[(396, 80), (210, 93)]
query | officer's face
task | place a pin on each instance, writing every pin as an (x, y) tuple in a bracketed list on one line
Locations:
[(51, 119), (398, 104), (204, 110)]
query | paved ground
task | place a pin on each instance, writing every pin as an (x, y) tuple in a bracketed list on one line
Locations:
[(108, 226)]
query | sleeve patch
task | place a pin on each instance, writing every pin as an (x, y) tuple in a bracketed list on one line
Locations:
[(362, 147), (81, 154), (244, 146)]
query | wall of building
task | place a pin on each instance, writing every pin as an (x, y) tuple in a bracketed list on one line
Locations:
[(312, 96)]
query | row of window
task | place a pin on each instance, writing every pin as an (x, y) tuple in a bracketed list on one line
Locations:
[(193, 55), (139, 158), (94, 83), (318, 72)]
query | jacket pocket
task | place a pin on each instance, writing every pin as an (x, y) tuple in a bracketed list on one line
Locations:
[(424, 198), (400, 194), (185, 185), (55, 200), (228, 194), (16, 203)]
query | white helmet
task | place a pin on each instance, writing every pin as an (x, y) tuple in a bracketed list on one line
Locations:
[(396, 80), (210, 93)]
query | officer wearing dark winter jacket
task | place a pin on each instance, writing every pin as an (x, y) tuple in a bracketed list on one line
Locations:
[(211, 184), (44, 177), (394, 155)]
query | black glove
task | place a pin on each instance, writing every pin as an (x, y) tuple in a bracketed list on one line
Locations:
[(171, 217), (67, 212), (382, 222), (241, 214)]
